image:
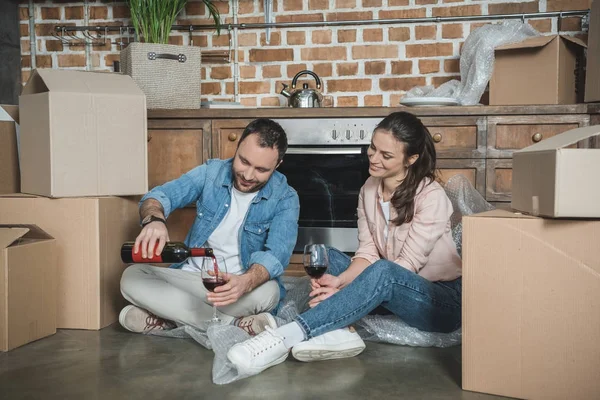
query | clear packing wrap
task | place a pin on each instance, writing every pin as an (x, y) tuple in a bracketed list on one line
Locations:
[(378, 328), (477, 62)]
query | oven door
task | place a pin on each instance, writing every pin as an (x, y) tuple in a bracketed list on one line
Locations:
[(328, 180)]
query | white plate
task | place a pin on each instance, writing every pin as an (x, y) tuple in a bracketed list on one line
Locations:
[(429, 101)]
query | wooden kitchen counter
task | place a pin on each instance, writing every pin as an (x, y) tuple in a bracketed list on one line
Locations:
[(366, 112)]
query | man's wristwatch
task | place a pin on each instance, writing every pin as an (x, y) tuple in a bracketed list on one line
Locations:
[(152, 218)]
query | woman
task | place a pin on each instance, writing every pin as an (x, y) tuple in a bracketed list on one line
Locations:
[(406, 261)]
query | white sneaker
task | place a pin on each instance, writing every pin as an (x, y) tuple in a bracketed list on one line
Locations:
[(341, 343), (258, 353)]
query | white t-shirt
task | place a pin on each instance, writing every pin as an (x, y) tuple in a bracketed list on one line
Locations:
[(385, 207), (225, 240)]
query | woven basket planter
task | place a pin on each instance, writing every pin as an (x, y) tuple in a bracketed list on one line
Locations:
[(169, 75)]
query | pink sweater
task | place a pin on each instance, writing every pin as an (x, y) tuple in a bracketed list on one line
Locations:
[(424, 245)]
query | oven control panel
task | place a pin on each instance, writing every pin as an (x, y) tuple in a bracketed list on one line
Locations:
[(320, 131)]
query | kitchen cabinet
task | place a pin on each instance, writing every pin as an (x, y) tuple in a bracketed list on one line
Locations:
[(506, 134), (459, 137), (226, 135), (472, 169), (509, 133), (175, 147)]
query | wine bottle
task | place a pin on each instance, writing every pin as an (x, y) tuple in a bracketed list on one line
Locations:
[(173, 252)]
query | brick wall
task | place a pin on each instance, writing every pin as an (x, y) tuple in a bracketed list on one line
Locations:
[(360, 66)]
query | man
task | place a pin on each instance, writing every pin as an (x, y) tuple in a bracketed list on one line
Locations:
[(246, 212)]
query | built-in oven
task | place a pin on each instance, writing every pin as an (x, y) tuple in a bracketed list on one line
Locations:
[(327, 164)]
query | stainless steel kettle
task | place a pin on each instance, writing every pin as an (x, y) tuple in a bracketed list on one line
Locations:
[(305, 97)]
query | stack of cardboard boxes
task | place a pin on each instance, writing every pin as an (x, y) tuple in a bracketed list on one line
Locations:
[(531, 278), (82, 160)]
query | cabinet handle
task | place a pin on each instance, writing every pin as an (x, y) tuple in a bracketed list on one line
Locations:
[(537, 137), (232, 137), (149, 138), (437, 137)]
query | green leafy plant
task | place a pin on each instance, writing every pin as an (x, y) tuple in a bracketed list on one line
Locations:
[(152, 19)]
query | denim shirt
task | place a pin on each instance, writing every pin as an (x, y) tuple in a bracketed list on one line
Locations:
[(269, 231)]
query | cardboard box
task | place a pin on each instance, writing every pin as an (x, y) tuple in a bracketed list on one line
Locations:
[(82, 134), (531, 306), (554, 181), (27, 285), (592, 79), (89, 233), (9, 155), (540, 70)]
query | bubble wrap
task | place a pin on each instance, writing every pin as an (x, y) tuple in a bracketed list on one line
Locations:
[(377, 328), (477, 62), (466, 200)]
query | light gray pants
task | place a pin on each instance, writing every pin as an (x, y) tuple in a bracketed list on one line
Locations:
[(180, 296)]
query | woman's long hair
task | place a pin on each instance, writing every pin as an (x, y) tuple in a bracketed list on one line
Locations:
[(409, 130)]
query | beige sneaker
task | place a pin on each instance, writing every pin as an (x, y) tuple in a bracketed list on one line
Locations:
[(340, 343), (137, 320), (255, 324)]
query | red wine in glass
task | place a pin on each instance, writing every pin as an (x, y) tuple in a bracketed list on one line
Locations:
[(315, 270), (213, 275), (315, 260), (212, 283)]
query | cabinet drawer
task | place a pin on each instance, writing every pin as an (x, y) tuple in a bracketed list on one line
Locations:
[(226, 136), (448, 138), (507, 134), (173, 152), (498, 180), (472, 169), (457, 137)]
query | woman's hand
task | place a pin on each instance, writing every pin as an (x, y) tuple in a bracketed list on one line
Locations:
[(326, 280), (320, 294)]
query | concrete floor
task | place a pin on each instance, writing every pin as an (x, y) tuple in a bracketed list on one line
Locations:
[(115, 364)]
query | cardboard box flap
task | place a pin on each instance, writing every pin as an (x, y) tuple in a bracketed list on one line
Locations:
[(498, 213), (537, 41), (68, 81), (9, 235), (33, 231), (563, 140), (35, 84), (575, 40), (9, 113), (25, 231)]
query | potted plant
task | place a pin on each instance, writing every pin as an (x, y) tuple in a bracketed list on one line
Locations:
[(168, 74)]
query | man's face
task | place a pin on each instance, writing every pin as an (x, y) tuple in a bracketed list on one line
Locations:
[(253, 165)]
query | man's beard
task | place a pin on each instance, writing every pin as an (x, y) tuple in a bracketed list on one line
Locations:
[(256, 188)]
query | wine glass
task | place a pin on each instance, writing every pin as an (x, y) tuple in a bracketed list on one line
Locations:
[(316, 260), (212, 270)]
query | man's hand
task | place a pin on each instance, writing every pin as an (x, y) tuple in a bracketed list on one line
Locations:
[(153, 233), (320, 294), (229, 293)]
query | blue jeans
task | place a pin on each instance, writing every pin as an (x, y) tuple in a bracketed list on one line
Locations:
[(425, 305)]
